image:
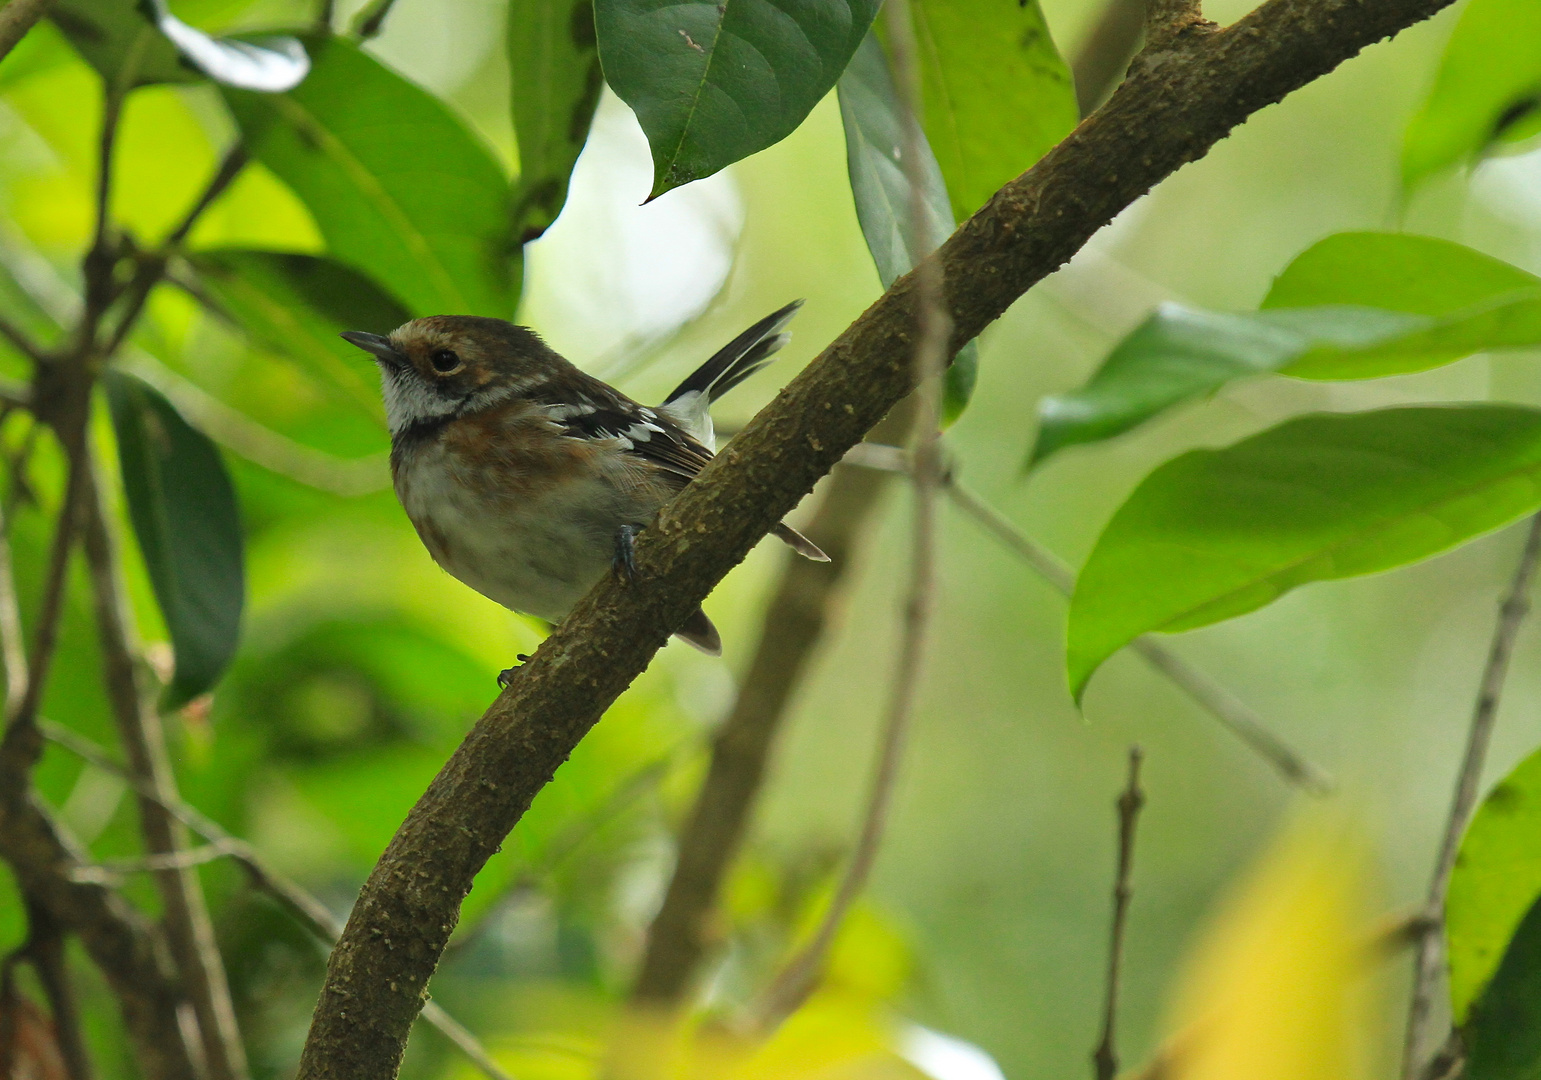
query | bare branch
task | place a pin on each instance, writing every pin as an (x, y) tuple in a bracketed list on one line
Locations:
[(1105, 1057), (16, 18), (304, 907), (116, 936), (1163, 116), (1430, 964), (188, 928)]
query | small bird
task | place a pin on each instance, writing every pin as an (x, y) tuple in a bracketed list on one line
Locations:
[(528, 479)]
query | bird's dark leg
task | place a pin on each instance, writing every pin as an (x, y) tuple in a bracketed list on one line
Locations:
[(506, 676), (626, 551)]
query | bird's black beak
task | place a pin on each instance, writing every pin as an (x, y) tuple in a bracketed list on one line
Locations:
[(379, 346)]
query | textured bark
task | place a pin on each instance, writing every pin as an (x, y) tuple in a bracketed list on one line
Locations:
[(1180, 98)]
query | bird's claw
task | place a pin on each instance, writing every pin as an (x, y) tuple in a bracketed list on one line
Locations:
[(626, 551), (506, 676)]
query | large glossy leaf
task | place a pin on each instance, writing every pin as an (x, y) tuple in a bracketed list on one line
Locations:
[(1496, 879), (713, 81), (145, 43), (1503, 1033), (400, 189), (1488, 88), (553, 63), (996, 94), (184, 514), (1217, 533), (296, 305), (885, 199), (1354, 306)]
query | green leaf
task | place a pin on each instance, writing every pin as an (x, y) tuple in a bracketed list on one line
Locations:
[(1503, 1036), (296, 305), (553, 62), (1354, 306), (1486, 91), (1214, 534), (400, 189), (995, 94), (1420, 275), (184, 514), (885, 203), (1497, 878), (713, 81)]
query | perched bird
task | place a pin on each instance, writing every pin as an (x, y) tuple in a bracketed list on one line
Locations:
[(528, 479)]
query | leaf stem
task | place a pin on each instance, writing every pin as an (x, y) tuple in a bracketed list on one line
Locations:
[(1430, 962), (800, 977), (302, 905)]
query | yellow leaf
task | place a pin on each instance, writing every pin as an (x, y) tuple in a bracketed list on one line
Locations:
[(1276, 990)]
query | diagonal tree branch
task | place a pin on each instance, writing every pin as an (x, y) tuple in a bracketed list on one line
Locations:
[(1176, 103)]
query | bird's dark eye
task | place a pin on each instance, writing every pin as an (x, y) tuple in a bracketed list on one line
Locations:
[(444, 360)]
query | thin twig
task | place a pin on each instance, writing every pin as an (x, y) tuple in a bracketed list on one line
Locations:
[(1105, 1057), (51, 609), (1430, 963), (13, 651), (190, 932), (1219, 702), (16, 18), (303, 906), (800, 977), (110, 873)]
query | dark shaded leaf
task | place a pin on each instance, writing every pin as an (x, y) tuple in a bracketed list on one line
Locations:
[(1354, 306), (184, 514), (296, 305), (1503, 1034), (885, 205), (1487, 90), (400, 189), (995, 93), (1497, 878), (1214, 534), (553, 62), (713, 81)]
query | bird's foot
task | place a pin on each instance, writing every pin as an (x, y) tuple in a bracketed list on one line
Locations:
[(506, 676), (626, 551)]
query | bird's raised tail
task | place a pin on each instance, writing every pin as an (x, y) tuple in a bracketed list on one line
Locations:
[(690, 403)]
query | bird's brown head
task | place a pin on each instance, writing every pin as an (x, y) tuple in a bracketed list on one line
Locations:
[(446, 365)]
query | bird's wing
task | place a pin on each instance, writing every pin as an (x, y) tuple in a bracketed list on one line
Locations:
[(600, 412), (690, 402)]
